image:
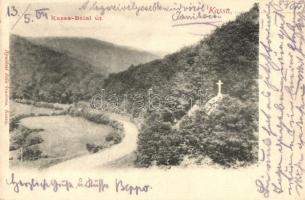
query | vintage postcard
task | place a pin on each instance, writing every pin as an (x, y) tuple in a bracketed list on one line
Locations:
[(148, 99)]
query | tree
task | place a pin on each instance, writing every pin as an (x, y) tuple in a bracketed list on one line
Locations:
[(228, 134)]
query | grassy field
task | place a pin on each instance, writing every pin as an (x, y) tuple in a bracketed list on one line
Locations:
[(64, 137), (19, 108)]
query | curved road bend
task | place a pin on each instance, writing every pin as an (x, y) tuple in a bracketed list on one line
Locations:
[(92, 161)]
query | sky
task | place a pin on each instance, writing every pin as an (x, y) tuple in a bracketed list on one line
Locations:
[(152, 32)]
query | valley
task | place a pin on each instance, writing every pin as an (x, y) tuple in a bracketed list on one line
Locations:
[(50, 71)]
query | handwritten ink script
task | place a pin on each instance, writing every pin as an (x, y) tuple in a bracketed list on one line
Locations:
[(26, 15), (98, 184), (282, 93), (180, 12)]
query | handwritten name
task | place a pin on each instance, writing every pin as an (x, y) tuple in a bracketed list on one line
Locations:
[(55, 185)]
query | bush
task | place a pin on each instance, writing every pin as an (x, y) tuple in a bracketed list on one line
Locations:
[(92, 148), (23, 137), (30, 153), (115, 137), (32, 140), (39, 104), (14, 122), (18, 139), (109, 137), (13, 147), (43, 114), (98, 118), (227, 135), (158, 143)]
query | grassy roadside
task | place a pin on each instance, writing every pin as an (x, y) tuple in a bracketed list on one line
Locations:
[(25, 143)]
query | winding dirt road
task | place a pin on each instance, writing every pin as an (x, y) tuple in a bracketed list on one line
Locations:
[(93, 161)]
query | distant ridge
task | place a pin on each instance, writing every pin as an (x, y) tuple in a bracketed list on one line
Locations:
[(105, 57), (43, 74)]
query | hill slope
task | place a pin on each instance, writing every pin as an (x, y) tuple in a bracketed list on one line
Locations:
[(104, 56), (229, 54), (42, 74)]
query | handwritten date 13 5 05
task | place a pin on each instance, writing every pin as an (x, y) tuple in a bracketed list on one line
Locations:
[(26, 15)]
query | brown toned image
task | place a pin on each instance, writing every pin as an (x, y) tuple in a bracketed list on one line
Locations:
[(152, 99)]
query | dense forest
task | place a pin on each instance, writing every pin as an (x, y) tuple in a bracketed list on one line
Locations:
[(227, 136), (229, 54), (59, 69), (42, 74)]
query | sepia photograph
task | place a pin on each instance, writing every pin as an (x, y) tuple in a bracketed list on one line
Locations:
[(78, 101), (154, 99)]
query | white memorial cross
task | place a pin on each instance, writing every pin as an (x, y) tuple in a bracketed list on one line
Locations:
[(219, 88)]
